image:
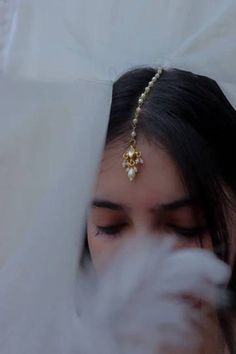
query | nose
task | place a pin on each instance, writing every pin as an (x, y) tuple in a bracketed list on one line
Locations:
[(141, 229), (146, 230)]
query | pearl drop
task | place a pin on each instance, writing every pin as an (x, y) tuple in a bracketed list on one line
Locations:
[(131, 174)]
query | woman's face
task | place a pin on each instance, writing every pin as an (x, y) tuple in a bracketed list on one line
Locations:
[(154, 204)]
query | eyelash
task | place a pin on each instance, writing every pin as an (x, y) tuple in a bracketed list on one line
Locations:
[(112, 230), (115, 230), (189, 232)]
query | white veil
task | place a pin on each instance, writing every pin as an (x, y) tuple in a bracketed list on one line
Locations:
[(54, 107)]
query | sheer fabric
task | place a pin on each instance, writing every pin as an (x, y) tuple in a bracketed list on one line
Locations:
[(67, 40)]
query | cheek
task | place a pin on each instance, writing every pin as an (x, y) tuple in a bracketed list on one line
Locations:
[(102, 249), (204, 243)]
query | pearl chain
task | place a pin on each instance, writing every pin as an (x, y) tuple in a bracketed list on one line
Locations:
[(141, 100), (132, 157)]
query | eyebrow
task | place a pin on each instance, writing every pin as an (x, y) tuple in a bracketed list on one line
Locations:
[(176, 204), (106, 204), (179, 203)]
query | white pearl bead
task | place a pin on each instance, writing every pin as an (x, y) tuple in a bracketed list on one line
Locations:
[(159, 71), (140, 101), (135, 120), (133, 134)]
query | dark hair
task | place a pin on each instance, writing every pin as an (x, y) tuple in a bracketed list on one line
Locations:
[(189, 116)]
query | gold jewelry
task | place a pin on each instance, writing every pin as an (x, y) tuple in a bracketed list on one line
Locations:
[(133, 157)]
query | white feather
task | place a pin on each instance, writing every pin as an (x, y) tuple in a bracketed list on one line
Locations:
[(139, 304)]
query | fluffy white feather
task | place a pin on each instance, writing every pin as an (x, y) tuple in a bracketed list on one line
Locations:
[(144, 301)]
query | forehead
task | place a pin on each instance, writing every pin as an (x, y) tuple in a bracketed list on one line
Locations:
[(158, 179)]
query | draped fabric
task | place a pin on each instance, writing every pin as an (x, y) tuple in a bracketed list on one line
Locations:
[(59, 40)]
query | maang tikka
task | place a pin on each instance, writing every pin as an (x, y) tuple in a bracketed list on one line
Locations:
[(133, 157)]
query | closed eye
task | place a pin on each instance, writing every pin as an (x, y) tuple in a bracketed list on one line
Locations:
[(188, 231), (110, 229), (115, 230)]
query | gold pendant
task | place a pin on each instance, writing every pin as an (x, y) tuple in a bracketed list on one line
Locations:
[(132, 158)]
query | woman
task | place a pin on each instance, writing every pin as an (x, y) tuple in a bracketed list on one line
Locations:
[(178, 176), (50, 159)]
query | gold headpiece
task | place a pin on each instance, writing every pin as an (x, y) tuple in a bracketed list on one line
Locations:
[(132, 157)]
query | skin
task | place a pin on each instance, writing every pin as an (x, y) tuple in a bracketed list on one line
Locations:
[(156, 204)]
